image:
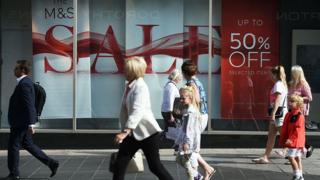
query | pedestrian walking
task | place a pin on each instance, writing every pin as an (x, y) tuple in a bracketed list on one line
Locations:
[(189, 71), (278, 100), (22, 117), (170, 93), (139, 128), (293, 135)]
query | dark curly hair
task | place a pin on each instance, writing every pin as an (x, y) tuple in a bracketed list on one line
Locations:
[(189, 69)]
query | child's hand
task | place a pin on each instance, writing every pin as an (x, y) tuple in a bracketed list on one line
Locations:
[(288, 142), (185, 148)]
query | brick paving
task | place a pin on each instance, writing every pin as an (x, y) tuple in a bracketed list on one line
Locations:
[(231, 164)]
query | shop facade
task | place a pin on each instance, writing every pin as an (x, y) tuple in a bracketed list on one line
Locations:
[(234, 44)]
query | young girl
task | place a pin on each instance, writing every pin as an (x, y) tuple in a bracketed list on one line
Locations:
[(190, 135), (293, 135)]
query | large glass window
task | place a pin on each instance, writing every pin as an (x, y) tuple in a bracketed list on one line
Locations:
[(165, 33)]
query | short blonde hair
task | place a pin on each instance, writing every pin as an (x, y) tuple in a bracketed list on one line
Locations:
[(298, 99), (135, 67)]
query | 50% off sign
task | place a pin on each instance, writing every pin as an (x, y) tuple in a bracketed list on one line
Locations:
[(247, 48)]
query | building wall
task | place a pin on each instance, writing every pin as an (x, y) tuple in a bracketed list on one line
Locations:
[(16, 43)]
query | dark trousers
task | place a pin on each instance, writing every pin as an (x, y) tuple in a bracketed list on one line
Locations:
[(167, 120), (150, 148), (21, 137)]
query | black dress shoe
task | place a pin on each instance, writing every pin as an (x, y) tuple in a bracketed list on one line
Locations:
[(11, 177), (54, 168), (309, 151)]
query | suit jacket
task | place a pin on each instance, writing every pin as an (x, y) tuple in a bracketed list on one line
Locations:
[(294, 131), (22, 110), (136, 112)]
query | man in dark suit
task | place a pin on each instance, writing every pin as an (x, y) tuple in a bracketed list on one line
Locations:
[(22, 117)]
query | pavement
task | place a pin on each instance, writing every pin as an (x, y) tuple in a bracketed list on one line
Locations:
[(231, 164)]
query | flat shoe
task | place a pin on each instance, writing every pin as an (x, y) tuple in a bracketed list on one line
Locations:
[(260, 161), (287, 163), (212, 174)]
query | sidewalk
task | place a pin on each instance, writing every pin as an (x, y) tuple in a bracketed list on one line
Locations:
[(231, 164)]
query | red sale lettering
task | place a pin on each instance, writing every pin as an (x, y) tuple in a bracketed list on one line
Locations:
[(187, 45)]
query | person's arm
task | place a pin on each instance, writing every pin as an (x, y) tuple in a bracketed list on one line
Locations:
[(28, 100), (276, 105), (306, 93), (299, 128), (122, 135), (138, 106)]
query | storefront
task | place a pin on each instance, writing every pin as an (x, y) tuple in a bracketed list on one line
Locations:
[(84, 81)]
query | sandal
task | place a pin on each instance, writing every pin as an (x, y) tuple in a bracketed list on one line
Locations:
[(260, 161), (212, 174)]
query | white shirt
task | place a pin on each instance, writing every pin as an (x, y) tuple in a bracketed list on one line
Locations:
[(20, 78), (170, 92), (280, 88)]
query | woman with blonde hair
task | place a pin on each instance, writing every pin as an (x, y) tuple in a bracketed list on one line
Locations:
[(299, 86), (139, 128), (277, 98)]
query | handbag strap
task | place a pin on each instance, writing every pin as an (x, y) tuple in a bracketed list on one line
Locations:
[(284, 100)]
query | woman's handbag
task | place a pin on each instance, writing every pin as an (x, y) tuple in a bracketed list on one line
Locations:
[(279, 112), (178, 107), (135, 164)]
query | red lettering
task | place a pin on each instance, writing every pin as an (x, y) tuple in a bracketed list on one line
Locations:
[(115, 51), (147, 39), (59, 48)]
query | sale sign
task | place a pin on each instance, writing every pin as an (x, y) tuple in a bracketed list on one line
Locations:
[(250, 46), (108, 33)]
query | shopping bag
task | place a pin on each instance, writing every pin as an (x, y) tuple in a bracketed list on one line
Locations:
[(135, 164)]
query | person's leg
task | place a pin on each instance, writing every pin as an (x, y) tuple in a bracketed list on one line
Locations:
[(150, 147), (127, 149), (206, 167), (15, 138), (272, 133), (27, 144), (309, 148), (295, 167), (299, 163)]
